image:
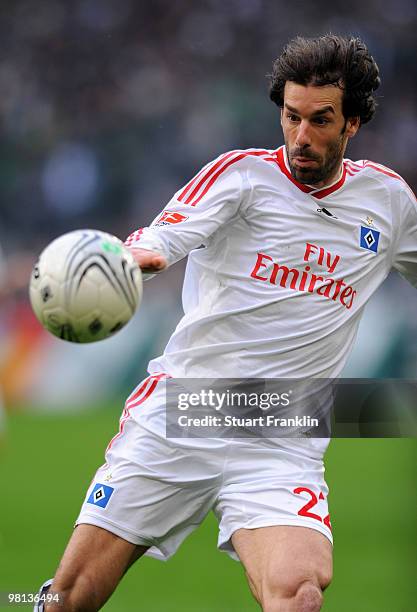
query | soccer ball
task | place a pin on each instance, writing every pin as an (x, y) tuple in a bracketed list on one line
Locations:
[(85, 286)]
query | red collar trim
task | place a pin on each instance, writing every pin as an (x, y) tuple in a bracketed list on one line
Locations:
[(320, 193)]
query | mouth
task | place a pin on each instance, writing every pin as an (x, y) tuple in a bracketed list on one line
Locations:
[(305, 162)]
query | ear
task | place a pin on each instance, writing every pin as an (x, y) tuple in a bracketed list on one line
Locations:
[(281, 114), (352, 126)]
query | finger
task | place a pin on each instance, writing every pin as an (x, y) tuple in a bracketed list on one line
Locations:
[(158, 262), (153, 264), (145, 258)]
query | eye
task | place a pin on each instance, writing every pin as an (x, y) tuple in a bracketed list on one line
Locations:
[(292, 117), (321, 121)]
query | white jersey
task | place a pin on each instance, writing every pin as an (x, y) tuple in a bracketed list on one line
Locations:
[(278, 272)]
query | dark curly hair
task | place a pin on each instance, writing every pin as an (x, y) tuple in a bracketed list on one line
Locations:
[(329, 60)]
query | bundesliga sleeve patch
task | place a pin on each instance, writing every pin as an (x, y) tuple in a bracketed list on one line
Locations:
[(170, 217), (100, 495), (369, 239)]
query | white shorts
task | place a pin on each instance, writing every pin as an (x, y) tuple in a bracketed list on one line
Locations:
[(154, 491)]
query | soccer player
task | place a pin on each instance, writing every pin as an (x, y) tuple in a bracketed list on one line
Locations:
[(285, 248)]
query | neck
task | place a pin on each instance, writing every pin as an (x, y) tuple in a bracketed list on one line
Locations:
[(334, 177)]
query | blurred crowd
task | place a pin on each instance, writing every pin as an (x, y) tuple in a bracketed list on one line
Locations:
[(108, 106)]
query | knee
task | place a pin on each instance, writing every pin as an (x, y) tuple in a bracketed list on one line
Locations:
[(306, 598), (293, 593)]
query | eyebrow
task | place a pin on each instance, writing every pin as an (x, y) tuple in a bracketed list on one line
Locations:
[(321, 111)]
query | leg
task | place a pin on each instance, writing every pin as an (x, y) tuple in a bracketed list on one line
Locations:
[(136, 500), (91, 568), (288, 568)]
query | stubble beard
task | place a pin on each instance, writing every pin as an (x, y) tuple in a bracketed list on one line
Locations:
[(324, 172)]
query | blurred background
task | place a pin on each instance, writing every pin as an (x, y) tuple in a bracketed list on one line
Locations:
[(107, 107)]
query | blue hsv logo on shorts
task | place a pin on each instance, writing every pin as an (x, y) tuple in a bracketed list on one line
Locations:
[(369, 238), (100, 495)]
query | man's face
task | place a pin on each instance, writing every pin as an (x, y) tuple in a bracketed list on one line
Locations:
[(315, 132)]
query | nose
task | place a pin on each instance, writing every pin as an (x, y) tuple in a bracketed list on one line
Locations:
[(303, 139)]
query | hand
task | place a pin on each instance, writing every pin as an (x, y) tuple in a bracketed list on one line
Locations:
[(149, 261)]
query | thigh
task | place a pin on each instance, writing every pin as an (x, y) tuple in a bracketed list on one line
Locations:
[(281, 558)]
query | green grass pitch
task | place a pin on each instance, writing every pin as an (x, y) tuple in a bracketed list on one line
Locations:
[(48, 461)]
